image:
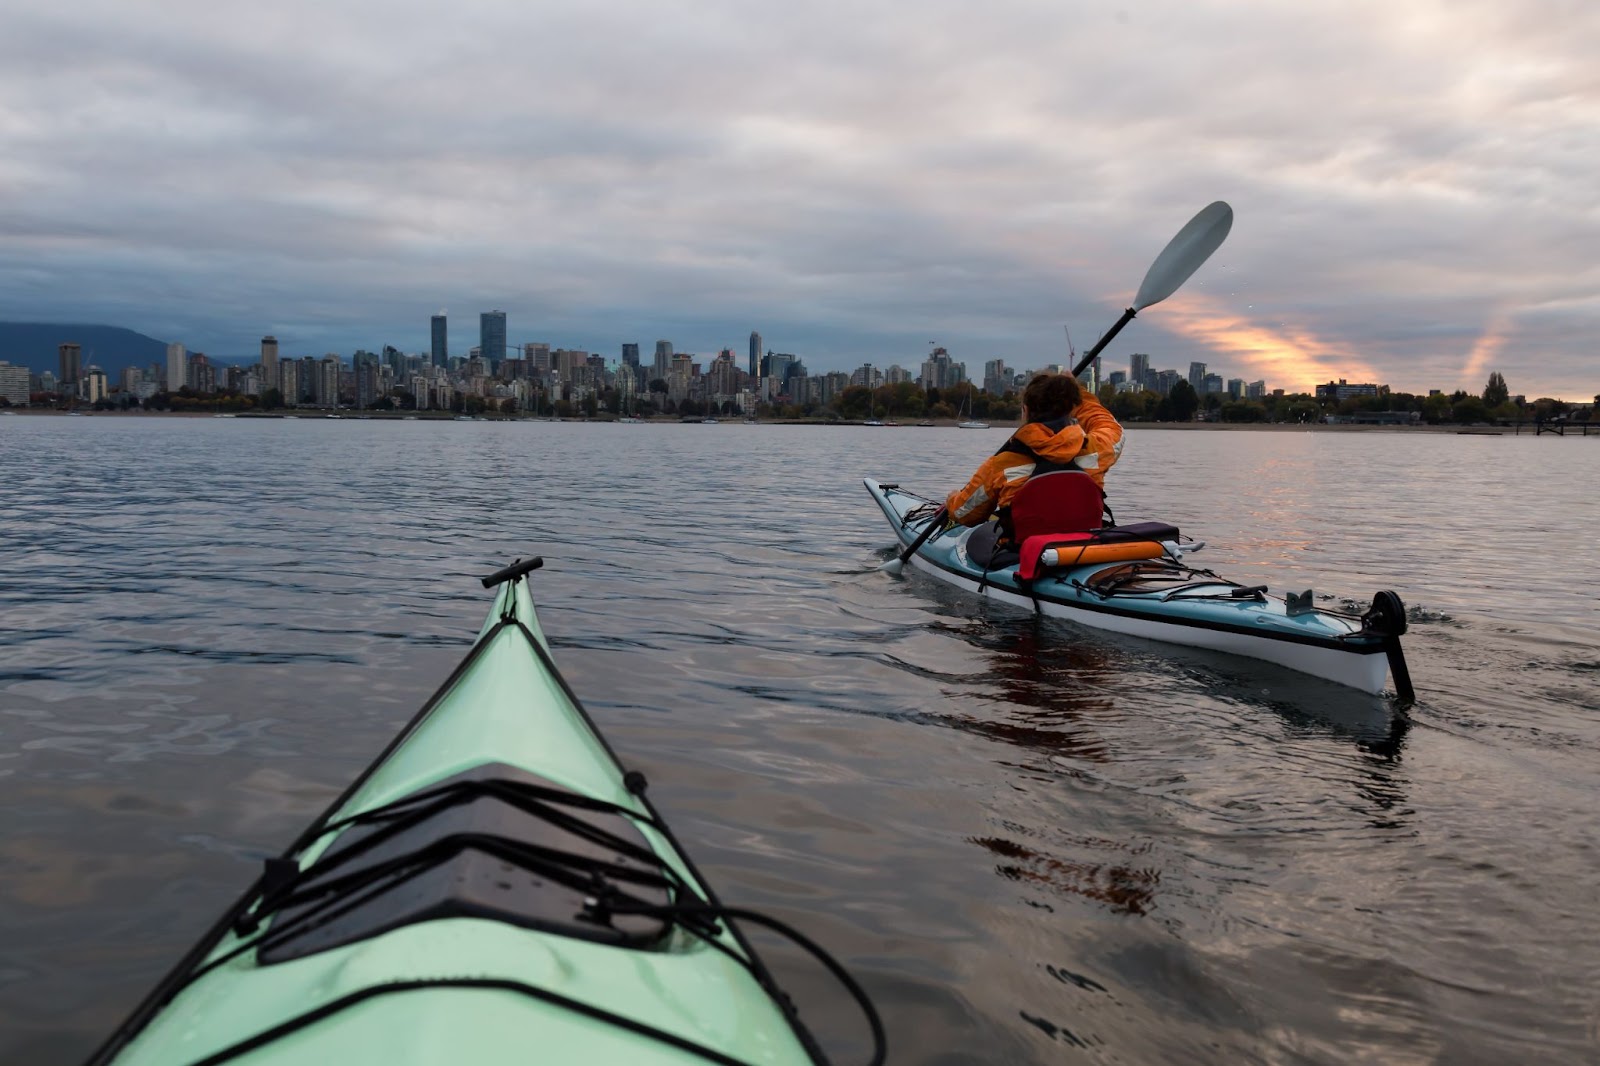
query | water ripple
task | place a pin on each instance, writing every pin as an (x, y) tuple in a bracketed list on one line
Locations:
[(1028, 838)]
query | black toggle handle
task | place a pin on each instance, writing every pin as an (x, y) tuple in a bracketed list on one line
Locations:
[(512, 572)]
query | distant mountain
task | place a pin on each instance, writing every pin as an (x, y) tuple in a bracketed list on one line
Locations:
[(34, 345)]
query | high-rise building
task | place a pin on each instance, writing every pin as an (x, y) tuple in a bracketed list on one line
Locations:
[(14, 384), (1197, 378), (71, 356), (755, 354), (1236, 388), (492, 336), (327, 383), (441, 345), (663, 361), (177, 367), (288, 381), (538, 357), (630, 355), (200, 375), (997, 377), (679, 377), (1139, 370), (366, 384), (774, 372), (939, 371), (269, 361), (94, 385), (307, 380), (722, 378)]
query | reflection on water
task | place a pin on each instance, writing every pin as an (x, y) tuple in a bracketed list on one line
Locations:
[(1027, 838), (1124, 889)]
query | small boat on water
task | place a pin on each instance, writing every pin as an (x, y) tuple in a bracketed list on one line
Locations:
[(1136, 579), (966, 422)]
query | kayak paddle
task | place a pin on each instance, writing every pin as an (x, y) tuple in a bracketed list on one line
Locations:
[(1181, 257)]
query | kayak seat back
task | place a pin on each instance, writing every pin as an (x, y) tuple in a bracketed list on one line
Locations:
[(1061, 501)]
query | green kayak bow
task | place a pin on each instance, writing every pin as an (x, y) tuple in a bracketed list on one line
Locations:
[(493, 889)]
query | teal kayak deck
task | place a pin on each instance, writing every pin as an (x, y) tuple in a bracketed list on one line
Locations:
[(466, 989)]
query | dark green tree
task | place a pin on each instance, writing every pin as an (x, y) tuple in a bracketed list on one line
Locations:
[(1243, 411), (1182, 402), (1495, 392), (1469, 409)]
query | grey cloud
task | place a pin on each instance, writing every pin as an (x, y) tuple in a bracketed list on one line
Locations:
[(857, 179)]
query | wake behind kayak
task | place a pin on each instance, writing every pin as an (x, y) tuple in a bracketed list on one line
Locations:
[(494, 888)]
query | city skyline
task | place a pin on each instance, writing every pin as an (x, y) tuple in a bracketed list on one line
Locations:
[(1411, 185), (494, 326)]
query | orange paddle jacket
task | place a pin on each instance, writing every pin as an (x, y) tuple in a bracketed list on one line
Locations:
[(1089, 439)]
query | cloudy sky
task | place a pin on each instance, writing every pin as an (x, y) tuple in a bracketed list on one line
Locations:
[(1416, 184)]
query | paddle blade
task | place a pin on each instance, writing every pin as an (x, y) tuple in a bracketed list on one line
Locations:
[(1184, 253)]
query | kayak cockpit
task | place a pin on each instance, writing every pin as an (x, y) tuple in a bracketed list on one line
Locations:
[(493, 842)]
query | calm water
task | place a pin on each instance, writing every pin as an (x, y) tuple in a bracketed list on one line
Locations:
[(1032, 842)]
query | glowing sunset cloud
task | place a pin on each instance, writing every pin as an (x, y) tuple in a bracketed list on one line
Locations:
[(1495, 334), (1286, 356)]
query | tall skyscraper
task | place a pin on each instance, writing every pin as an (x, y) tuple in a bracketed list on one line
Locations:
[(663, 361), (630, 355), (441, 345), (288, 381), (1139, 370), (327, 383), (1197, 377), (269, 361), (755, 354), (71, 366), (492, 337), (177, 367)]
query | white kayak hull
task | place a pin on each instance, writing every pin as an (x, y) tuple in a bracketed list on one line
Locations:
[(1334, 646)]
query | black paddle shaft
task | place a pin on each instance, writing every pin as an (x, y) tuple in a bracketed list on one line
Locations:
[(1089, 356), (935, 524)]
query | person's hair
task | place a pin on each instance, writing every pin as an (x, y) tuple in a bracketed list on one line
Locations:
[(1051, 396)]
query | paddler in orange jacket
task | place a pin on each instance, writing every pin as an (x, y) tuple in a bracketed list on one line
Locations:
[(1061, 427)]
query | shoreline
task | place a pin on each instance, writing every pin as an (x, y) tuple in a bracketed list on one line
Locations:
[(309, 414)]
